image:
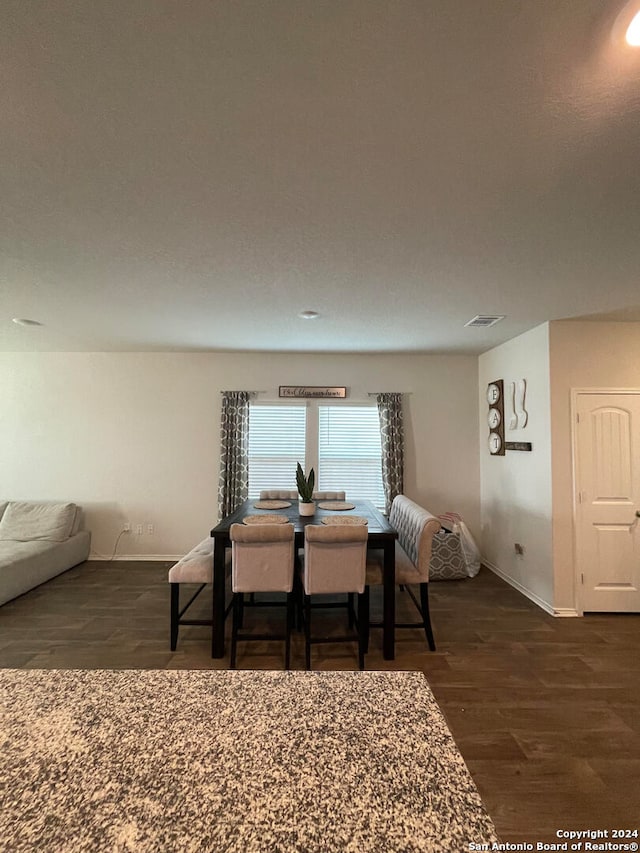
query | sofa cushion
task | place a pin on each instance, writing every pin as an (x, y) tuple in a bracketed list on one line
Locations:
[(25, 521), (77, 521)]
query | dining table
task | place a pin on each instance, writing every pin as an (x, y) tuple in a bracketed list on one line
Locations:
[(381, 538)]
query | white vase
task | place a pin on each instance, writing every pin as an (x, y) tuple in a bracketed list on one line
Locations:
[(308, 508)]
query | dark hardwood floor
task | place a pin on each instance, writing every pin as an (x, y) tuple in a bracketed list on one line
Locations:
[(545, 711)]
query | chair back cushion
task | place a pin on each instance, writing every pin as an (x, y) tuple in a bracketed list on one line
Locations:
[(262, 557), (279, 495), (416, 527), (335, 558), (329, 496)]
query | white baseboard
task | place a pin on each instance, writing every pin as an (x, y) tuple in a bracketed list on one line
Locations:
[(565, 611), (548, 608), (136, 558)]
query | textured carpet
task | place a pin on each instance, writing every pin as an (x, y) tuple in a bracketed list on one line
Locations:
[(230, 761)]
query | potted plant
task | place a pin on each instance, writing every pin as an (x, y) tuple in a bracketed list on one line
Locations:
[(306, 504)]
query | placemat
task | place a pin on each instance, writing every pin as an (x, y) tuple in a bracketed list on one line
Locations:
[(336, 505), (265, 519), (345, 519), (272, 504)]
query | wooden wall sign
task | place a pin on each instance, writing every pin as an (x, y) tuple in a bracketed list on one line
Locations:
[(306, 391)]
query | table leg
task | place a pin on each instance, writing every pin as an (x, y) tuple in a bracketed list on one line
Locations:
[(389, 601), (217, 629)]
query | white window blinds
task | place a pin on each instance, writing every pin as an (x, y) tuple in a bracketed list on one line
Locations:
[(276, 444), (349, 452)]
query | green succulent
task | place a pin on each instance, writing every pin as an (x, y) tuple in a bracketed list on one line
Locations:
[(305, 484)]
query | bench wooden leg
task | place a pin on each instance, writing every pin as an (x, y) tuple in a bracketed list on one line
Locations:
[(175, 610), (424, 605)]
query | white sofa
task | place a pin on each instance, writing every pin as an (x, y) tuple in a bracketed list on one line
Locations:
[(37, 542)]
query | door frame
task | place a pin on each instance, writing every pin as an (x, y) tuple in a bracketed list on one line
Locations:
[(576, 393)]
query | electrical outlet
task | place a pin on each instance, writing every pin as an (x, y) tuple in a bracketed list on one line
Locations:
[(150, 528), (519, 548), (139, 529), (127, 527)]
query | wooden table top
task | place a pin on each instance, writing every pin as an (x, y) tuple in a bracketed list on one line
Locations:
[(378, 525)]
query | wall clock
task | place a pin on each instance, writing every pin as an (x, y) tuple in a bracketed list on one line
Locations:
[(495, 417)]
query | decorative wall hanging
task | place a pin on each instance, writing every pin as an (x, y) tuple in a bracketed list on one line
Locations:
[(521, 414), (495, 417), (312, 391), (516, 414), (512, 418)]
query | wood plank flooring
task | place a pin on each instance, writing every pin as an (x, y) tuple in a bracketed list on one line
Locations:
[(545, 711)]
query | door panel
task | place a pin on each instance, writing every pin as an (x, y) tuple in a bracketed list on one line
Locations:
[(608, 488)]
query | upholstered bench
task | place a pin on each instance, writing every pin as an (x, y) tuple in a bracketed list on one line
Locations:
[(416, 528), (195, 567)]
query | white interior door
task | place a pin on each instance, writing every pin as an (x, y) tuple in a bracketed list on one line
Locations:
[(608, 498)]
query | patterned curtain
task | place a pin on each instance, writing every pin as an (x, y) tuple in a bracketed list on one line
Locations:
[(392, 440), (233, 486)]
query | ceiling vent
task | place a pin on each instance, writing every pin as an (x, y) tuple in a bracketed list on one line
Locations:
[(485, 320)]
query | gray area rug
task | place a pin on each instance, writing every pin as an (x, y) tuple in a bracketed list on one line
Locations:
[(230, 761)]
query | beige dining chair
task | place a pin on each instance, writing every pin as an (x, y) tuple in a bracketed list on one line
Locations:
[(262, 560), (278, 495), (292, 495), (328, 496), (335, 560)]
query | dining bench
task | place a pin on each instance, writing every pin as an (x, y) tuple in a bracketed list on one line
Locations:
[(416, 528), (196, 567)]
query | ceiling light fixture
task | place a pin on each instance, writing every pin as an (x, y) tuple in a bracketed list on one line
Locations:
[(20, 321), (309, 315), (626, 28), (632, 36)]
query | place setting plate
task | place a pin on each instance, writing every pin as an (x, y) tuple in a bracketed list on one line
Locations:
[(336, 505), (355, 520), (265, 519), (272, 504)]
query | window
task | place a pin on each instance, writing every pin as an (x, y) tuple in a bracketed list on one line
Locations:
[(349, 451), (276, 445), (342, 443)]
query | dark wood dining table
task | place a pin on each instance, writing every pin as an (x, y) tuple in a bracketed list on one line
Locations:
[(382, 537)]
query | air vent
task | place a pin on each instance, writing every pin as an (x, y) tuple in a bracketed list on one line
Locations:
[(485, 320)]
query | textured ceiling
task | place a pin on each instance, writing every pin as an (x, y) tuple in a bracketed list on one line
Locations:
[(191, 176)]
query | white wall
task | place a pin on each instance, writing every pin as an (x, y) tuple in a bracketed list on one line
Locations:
[(516, 488), (135, 436), (582, 355)]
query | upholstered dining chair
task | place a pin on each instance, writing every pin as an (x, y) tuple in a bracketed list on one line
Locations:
[(416, 528), (262, 560), (292, 495), (279, 495), (328, 496), (335, 562)]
